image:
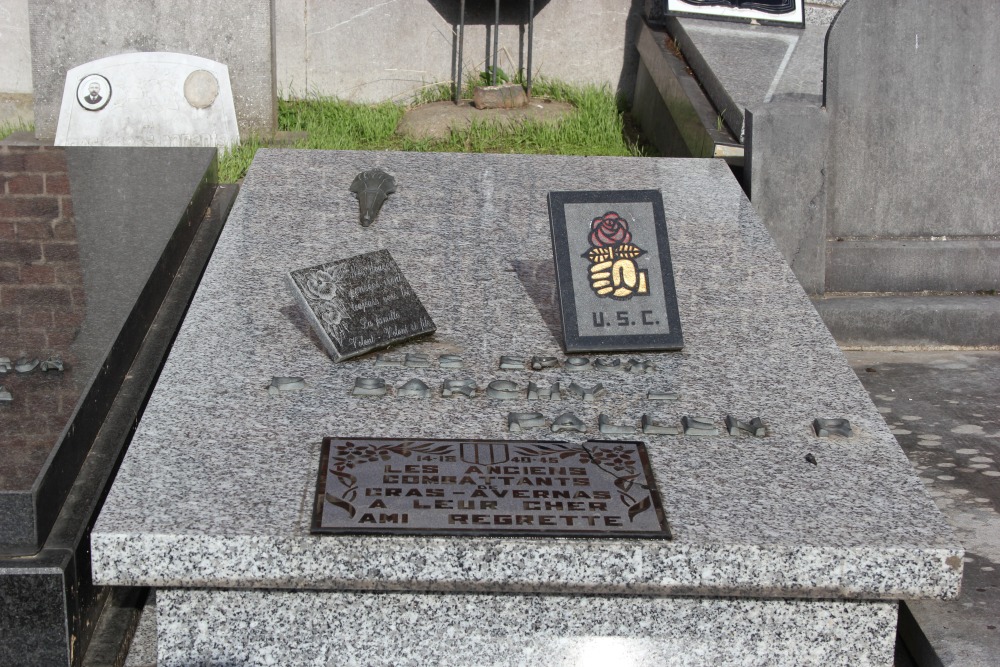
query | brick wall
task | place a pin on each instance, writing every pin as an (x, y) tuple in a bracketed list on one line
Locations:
[(42, 305)]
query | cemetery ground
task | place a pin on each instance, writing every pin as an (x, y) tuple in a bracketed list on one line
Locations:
[(562, 120)]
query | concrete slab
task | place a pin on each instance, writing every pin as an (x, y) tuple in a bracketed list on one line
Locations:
[(437, 119), (942, 407)]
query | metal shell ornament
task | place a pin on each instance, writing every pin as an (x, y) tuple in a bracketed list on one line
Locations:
[(372, 188)]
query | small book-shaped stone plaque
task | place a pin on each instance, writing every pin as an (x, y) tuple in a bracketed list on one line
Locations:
[(360, 304)]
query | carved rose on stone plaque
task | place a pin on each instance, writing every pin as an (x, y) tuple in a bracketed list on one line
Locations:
[(609, 229)]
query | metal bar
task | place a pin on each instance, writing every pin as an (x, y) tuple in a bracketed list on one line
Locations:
[(496, 41), (461, 43), (531, 39)]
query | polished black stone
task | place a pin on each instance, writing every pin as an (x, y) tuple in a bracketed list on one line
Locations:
[(616, 282), (504, 488), (89, 239), (132, 231), (360, 304)]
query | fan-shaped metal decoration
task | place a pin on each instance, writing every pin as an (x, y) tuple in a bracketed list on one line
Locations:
[(372, 188)]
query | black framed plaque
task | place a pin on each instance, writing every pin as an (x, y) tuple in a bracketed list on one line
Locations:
[(487, 487), (789, 13), (616, 281), (359, 304)]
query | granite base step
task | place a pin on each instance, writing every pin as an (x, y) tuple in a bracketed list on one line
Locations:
[(909, 322)]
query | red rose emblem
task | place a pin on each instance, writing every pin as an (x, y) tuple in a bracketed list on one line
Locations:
[(608, 230)]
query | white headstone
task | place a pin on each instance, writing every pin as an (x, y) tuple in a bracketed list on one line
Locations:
[(148, 99)]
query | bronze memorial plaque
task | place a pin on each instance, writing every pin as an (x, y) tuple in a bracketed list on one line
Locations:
[(487, 487)]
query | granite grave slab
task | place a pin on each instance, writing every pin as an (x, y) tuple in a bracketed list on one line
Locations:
[(760, 532)]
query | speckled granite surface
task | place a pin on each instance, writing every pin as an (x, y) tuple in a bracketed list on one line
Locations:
[(310, 628), (216, 489)]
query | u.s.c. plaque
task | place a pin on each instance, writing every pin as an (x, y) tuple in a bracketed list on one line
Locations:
[(487, 487)]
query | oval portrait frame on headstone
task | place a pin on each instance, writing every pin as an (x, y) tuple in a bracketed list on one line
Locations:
[(94, 92)]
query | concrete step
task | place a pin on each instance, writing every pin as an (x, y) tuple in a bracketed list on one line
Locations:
[(912, 321)]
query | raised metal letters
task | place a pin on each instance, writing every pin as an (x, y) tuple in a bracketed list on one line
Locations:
[(651, 428), (280, 384), (698, 426), (384, 360), (538, 363), (25, 365), (577, 363), (52, 364), (638, 367), (608, 365), (550, 393), (754, 427), (510, 363), (414, 389), (519, 421), (5, 395), (826, 427), (504, 390), (451, 361), (588, 395), (368, 387), (465, 388), (657, 395), (417, 360), (5, 365), (504, 488), (567, 421), (605, 426)]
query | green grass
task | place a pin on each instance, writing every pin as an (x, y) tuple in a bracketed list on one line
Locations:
[(8, 128), (595, 127)]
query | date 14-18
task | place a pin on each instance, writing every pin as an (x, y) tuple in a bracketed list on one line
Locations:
[(622, 319)]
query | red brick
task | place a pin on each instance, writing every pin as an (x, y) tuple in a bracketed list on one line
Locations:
[(60, 340), (60, 252), (45, 161), (6, 232), (10, 273), (11, 163), (66, 208), (21, 251), (26, 184), (57, 184), (69, 275), (65, 229), (79, 297), (33, 230), (28, 295), (22, 342), (38, 274), (70, 319), (44, 208), (34, 317)]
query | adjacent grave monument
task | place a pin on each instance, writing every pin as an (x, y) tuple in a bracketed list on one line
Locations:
[(786, 543), (148, 99), (66, 34), (100, 249)]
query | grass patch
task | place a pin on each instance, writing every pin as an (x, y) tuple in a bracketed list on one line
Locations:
[(8, 128), (595, 127)]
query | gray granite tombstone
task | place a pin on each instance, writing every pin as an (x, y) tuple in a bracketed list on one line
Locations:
[(772, 555)]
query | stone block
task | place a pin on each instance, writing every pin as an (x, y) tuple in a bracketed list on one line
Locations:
[(505, 96), (906, 157), (65, 34), (148, 99), (913, 265)]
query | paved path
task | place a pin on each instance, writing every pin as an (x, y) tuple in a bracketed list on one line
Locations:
[(944, 408)]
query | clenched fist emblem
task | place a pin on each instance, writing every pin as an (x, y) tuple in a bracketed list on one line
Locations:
[(613, 270)]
